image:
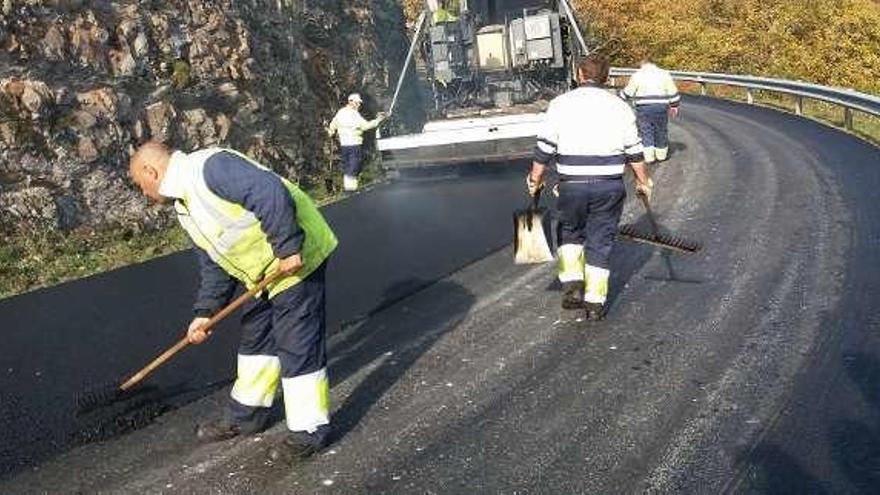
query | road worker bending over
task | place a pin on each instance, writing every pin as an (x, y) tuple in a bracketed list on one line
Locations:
[(247, 222), (656, 99), (351, 126), (591, 135)]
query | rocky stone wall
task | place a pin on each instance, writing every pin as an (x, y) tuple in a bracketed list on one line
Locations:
[(83, 83)]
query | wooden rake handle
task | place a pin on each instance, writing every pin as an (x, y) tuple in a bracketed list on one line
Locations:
[(654, 229), (223, 313)]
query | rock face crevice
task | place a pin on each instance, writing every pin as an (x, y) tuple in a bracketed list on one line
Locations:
[(83, 83)]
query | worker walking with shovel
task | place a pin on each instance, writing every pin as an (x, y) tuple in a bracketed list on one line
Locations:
[(590, 135), (247, 224)]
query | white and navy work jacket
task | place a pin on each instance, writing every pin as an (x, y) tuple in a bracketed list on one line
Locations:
[(351, 125), (651, 85), (588, 133)]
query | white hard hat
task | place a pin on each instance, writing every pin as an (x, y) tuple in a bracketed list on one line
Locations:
[(355, 97)]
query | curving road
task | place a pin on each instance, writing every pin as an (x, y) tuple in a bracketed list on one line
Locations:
[(755, 370)]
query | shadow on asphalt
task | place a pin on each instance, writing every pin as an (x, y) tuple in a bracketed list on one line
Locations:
[(855, 445), (675, 147), (773, 471), (390, 343)]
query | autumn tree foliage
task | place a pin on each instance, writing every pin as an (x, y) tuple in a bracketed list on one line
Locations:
[(412, 7), (832, 42)]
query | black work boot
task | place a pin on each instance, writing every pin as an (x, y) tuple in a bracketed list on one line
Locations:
[(218, 430), (572, 295), (594, 311), (301, 444)]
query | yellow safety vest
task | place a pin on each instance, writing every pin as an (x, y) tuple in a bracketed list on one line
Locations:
[(232, 236), (442, 15)]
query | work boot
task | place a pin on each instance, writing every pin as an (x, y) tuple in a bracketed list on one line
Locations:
[(217, 430), (221, 429), (594, 311), (301, 444), (572, 295)]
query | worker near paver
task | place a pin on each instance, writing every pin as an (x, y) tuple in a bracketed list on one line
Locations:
[(444, 11), (351, 125), (590, 135), (656, 98), (247, 222)]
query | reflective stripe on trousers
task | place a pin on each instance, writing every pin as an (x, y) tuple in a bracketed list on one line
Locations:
[(307, 401), (573, 269), (257, 380), (571, 262), (596, 284)]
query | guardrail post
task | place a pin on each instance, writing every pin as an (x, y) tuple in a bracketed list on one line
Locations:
[(702, 88), (848, 118), (799, 105), (749, 96)]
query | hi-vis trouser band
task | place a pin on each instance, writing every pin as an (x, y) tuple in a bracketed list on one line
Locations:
[(257, 380), (307, 401), (572, 268), (571, 263), (349, 183), (596, 284), (306, 397), (661, 153), (653, 154)]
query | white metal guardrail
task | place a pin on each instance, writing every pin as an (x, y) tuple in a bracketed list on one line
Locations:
[(850, 100)]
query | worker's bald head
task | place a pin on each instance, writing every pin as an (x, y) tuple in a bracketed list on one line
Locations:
[(147, 168)]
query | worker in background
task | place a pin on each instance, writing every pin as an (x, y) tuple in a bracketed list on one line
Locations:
[(445, 11), (590, 135), (656, 98), (350, 126), (247, 222)]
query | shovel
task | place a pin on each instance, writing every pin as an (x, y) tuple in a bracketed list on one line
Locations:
[(529, 239)]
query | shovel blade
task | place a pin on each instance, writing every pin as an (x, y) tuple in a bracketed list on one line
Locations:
[(530, 244)]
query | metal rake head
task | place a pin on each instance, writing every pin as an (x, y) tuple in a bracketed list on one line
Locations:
[(666, 241)]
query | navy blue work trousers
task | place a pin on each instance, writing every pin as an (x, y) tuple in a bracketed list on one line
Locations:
[(653, 122), (588, 215), (352, 160), (292, 326)]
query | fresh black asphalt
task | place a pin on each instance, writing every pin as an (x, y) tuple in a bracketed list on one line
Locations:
[(756, 369)]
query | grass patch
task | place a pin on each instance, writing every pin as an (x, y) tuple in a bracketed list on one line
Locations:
[(38, 257), (43, 258)]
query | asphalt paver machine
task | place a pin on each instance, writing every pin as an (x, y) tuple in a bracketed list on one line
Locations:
[(492, 67)]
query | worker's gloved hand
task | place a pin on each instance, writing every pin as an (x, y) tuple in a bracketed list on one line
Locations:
[(291, 264), (646, 189), (382, 115), (532, 186), (195, 333)]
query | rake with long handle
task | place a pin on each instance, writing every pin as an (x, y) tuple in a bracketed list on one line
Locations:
[(654, 237), (105, 395)]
